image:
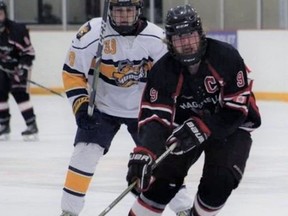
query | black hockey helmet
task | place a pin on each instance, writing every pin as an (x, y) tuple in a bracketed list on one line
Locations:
[(125, 29), (3, 6), (182, 20)]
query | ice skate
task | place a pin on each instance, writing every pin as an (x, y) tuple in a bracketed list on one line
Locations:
[(186, 212), (65, 213), (4, 132), (31, 133)]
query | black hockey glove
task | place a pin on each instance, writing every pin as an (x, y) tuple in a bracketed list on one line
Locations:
[(190, 134), (83, 120), (140, 168)]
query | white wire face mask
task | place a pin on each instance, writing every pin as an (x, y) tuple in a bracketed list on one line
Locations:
[(124, 16)]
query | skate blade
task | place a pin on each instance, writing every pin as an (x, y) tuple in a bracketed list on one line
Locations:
[(32, 137), (4, 137)]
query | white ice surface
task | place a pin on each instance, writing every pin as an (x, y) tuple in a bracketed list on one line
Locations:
[(32, 173)]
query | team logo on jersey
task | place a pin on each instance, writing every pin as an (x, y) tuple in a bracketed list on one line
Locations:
[(83, 31), (194, 105), (129, 73)]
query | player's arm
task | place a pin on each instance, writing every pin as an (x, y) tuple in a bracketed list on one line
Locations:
[(78, 63), (153, 131), (74, 77), (233, 101), (157, 109), (155, 125), (26, 49)]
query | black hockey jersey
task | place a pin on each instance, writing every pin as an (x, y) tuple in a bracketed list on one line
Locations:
[(219, 93), (15, 47)]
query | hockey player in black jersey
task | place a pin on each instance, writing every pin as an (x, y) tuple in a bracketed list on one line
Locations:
[(199, 96), (16, 56)]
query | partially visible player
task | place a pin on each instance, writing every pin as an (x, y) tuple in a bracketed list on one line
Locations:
[(131, 46), (16, 56), (198, 95)]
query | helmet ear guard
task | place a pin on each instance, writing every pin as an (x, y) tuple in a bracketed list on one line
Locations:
[(182, 20)]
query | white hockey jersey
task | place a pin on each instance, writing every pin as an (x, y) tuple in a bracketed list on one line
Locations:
[(126, 61)]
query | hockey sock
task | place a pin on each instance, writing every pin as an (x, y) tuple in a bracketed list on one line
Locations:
[(181, 201), (145, 207), (79, 175), (202, 209), (25, 106)]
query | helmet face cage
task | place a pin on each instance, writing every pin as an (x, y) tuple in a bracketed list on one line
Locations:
[(132, 15), (184, 20)]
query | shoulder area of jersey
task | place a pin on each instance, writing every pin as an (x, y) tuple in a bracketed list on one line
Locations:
[(218, 44), (91, 26), (16, 25), (153, 29)]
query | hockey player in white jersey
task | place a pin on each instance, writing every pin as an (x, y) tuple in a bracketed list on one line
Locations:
[(131, 46)]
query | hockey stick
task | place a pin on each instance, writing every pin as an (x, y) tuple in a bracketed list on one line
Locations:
[(98, 59), (131, 186), (50, 90)]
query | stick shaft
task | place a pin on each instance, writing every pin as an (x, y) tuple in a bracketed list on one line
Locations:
[(131, 186), (48, 89), (11, 72), (98, 59)]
